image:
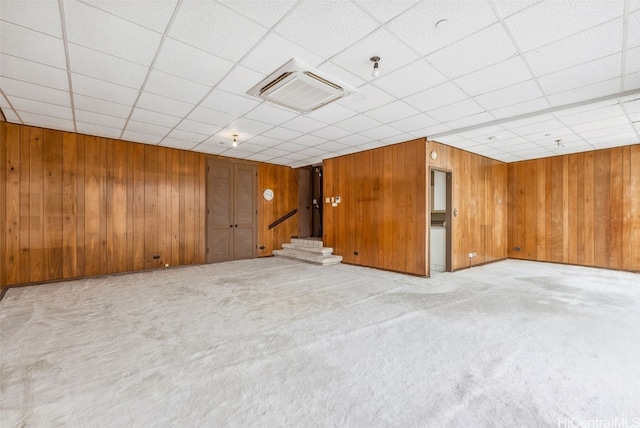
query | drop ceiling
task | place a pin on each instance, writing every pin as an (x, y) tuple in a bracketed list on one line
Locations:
[(502, 78)]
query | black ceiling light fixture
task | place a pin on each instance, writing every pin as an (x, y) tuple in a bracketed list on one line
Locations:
[(375, 60)]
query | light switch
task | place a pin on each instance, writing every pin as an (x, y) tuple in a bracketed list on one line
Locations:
[(333, 200), (338, 199), (334, 204), (327, 200)]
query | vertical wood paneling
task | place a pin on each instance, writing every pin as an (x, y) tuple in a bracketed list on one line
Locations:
[(52, 220), (78, 205), (69, 206), (177, 207), (382, 213), (284, 183), (36, 213), (590, 214), (11, 181)]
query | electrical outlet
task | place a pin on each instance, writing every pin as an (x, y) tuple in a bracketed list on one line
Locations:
[(472, 255), (166, 265)]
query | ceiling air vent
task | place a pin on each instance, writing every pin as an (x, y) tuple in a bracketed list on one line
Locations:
[(299, 87)]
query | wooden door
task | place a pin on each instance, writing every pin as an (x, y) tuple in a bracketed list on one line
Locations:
[(244, 212), (231, 211), (219, 211)]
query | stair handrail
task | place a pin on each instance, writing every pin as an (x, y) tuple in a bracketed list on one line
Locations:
[(283, 218)]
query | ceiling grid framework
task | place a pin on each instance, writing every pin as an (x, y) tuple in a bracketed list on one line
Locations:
[(501, 78)]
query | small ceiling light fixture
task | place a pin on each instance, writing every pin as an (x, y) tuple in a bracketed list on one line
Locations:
[(375, 60), (235, 140), (559, 144)]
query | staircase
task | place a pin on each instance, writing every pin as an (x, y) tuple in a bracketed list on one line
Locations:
[(310, 250)]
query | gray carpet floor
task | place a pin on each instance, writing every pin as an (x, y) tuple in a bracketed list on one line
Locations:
[(276, 342)]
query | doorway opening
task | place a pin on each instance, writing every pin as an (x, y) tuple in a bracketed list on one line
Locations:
[(440, 221), (310, 202)]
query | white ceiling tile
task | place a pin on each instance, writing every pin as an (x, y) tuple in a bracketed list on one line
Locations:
[(413, 123), (282, 134), (151, 14), (44, 121), (357, 124), (550, 21), (507, 8), (229, 103), (177, 88), (308, 140), (520, 108), (633, 30), (603, 132), (264, 141), (96, 105), (273, 152), (37, 107), (191, 137), (141, 137), (266, 12), (147, 128), (420, 74), (331, 133), (240, 80), (582, 75), (99, 130), (537, 127), (347, 151), (400, 138), (307, 26), (100, 119), (331, 113), (391, 112), (228, 135), (632, 60), (470, 54), (260, 157), (440, 96), (249, 125), (101, 89), (290, 147), (341, 74), (354, 140), (381, 132), (616, 143), (392, 52), (632, 81), (371, 145), (368, 97), (191, 63), (505, 73), (211, 117), (417, 27), (43, 15), (332, 146), (177, 144), (198, 127), (154, 118), (207, 25), (585, 93), (430, 130), (460, 109), (303, 124), (95, 29), (105, 67), (273, 115), (384, 10), (606, 39), (32, 45), (473, 119), (588, 116), (312, 151), (248, 147), (31, 72), (274, 51), (164, 105), (614, 138), (517, 93), (211, 149), (11, 115), (34, 92)]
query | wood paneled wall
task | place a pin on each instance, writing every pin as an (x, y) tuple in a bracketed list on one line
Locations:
[(382, 213), (79, 206), (479, 193), (284, 183), (580, 209)]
